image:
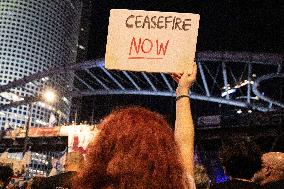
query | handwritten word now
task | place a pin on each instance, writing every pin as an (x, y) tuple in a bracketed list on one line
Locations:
[(139, 48)]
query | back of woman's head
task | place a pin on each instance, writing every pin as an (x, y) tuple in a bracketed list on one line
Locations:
[(241, 157), (5, 174), (134, 149), (201, 177)]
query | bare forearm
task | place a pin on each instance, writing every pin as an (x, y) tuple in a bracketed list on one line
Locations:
[(184, 129), (184, 132)]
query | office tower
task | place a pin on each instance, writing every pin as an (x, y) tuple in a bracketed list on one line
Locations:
[(36, 35)]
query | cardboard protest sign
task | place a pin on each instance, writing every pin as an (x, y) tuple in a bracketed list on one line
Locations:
[(151, 41)]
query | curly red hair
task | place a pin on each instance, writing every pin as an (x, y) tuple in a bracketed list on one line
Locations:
[(134, 149)]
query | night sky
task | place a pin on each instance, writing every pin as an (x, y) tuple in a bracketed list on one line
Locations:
[(225, 25), (251, 25)]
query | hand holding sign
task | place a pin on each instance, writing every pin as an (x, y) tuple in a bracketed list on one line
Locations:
[(185, 80), (151, 41)]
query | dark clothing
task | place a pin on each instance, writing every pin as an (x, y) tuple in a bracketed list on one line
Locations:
[(235, 184), (60, 181), (274, 185)]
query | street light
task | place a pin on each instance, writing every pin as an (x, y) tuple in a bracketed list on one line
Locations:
[(48, 96)]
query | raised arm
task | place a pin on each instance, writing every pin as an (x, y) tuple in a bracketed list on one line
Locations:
[(184, 128)]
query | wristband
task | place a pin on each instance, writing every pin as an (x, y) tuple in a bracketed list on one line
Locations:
[(181, 96)]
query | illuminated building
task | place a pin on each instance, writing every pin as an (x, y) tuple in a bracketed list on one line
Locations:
[(35, 36)]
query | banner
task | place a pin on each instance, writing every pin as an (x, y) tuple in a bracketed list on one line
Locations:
[(79, 136), (44, 131), (151, 41)]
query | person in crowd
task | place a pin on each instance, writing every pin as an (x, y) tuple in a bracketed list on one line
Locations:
[(136, 148), (17, 165), (241, 158), (201, 178), (6, 172), (73, 163), (271, 174)]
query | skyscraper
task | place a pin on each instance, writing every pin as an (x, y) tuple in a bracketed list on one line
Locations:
[(36, 35)]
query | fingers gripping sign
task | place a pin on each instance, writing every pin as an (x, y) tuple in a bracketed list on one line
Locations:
[(185, 80)]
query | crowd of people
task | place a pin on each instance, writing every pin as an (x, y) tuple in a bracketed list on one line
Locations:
[(136, 148)]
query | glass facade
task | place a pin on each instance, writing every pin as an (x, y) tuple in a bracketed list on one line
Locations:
[(36, 35)]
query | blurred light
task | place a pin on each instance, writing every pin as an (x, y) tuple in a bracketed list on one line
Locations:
[(49, 96), (228, 92), (66, 100), (249, 111), (45, 78), (220, 175), (239, 111), (81, 47), (41, 122), (11, 96)]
